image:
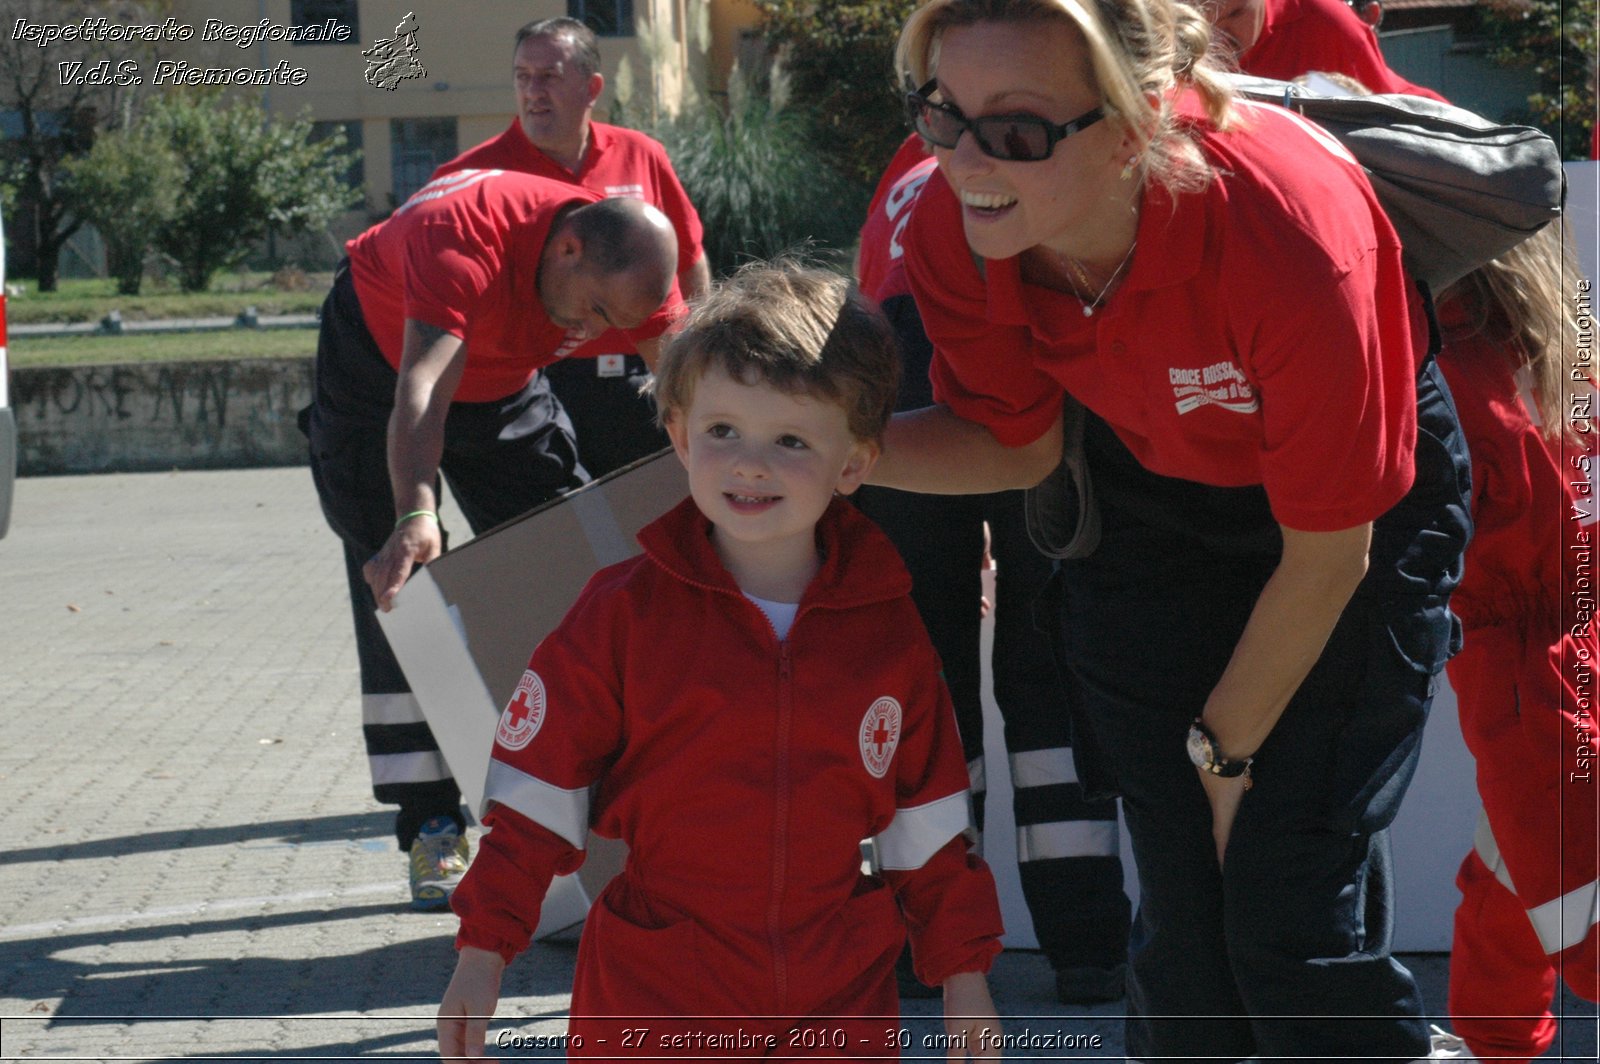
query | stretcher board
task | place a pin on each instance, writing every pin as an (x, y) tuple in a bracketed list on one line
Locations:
[(464, 626)]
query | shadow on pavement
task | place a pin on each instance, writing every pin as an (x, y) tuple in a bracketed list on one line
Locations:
[(348, 828), (401, 975)]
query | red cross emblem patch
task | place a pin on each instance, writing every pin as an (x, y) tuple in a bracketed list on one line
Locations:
[(880, 734), (523, 714)]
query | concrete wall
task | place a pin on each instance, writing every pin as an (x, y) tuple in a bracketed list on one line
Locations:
[(158, 416)]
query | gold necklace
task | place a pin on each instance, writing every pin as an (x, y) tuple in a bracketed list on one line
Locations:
[(1082, 275)]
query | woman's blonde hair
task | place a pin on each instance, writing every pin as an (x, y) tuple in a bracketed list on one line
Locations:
[(1138, 51), (1523, 299), (801, 329)]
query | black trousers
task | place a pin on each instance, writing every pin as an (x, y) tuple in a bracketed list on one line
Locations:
[(613, 423), (1068, 847), (1284, 952), (501, 459)]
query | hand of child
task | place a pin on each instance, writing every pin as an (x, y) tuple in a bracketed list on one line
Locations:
[(468, 1003), (970, 1019)]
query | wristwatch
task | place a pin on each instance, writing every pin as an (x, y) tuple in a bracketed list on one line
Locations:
[(1203, 752)]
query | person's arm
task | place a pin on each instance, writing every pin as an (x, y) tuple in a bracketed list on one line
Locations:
[(694, 281), (431, 363), (469, 1001), (1282, 640), (970, 1018), (935, 451)]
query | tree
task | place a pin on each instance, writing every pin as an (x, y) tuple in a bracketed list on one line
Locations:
[(127, 188), (244, 174), (59, 112), (1557, 40), (842, 56)]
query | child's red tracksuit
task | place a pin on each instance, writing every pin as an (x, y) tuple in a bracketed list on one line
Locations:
[(1525, 685), (743, 773)]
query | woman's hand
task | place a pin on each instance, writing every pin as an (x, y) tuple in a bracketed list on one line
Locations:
[(1224, 794)]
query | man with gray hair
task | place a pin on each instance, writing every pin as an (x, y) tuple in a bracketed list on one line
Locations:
[(555, 68)]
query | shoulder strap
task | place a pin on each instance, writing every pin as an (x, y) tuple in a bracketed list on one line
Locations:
[(1460, 190)]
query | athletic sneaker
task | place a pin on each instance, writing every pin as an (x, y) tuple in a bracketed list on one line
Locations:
[(438, 861), (1447, 1046)]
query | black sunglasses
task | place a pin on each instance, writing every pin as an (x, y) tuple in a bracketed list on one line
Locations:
[(1012, 138)]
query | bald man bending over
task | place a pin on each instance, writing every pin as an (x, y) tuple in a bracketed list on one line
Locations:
[(426, 365)]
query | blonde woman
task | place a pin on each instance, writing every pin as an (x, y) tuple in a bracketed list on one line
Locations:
[(1281, 475)]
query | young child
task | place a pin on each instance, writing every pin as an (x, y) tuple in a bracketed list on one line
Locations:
[(743, 704), (1525, 678)]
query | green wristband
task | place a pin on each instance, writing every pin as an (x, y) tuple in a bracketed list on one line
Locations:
[(417, 513)]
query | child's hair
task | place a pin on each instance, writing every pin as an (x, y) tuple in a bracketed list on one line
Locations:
[(798, 328), (1523, 299)]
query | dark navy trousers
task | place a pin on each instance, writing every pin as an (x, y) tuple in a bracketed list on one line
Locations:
[(501, 458), (1285, 952)]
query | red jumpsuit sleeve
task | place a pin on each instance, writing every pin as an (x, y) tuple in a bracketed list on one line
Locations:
[(557, 736), (499, 899), (982, 371), (946, 891)]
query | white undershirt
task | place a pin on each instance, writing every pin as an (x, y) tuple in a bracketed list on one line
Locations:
[(781, 614)]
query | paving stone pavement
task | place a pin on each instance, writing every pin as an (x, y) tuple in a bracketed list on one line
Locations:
[(193, 866)]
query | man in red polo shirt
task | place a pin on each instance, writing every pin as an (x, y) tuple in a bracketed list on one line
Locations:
[(556, 69), (427, 363), (1284, 39)]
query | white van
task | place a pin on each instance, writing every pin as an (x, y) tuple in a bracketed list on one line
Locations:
[(8, 421)]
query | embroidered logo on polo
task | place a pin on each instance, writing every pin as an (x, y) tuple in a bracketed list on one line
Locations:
[(523, 714), (1220, 384), (880, 734)]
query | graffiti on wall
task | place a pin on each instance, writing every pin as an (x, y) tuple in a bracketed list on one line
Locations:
[(161, 416)]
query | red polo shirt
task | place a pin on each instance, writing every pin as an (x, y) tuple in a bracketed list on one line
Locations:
[(620, 162), (1265, 332), (880, 265), (462, 255), (1300, 36)]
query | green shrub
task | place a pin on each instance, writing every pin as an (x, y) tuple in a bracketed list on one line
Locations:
[(757, 178)]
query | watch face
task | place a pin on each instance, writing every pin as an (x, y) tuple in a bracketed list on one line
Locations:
[(1199, 748)]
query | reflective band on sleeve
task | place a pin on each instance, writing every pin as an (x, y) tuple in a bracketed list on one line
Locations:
[(977, 775), (1043, 768), (1489, 852), (422, 766), (564, 812), (1563, 922), (916, 834), (391, 709), (1068, 838)]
